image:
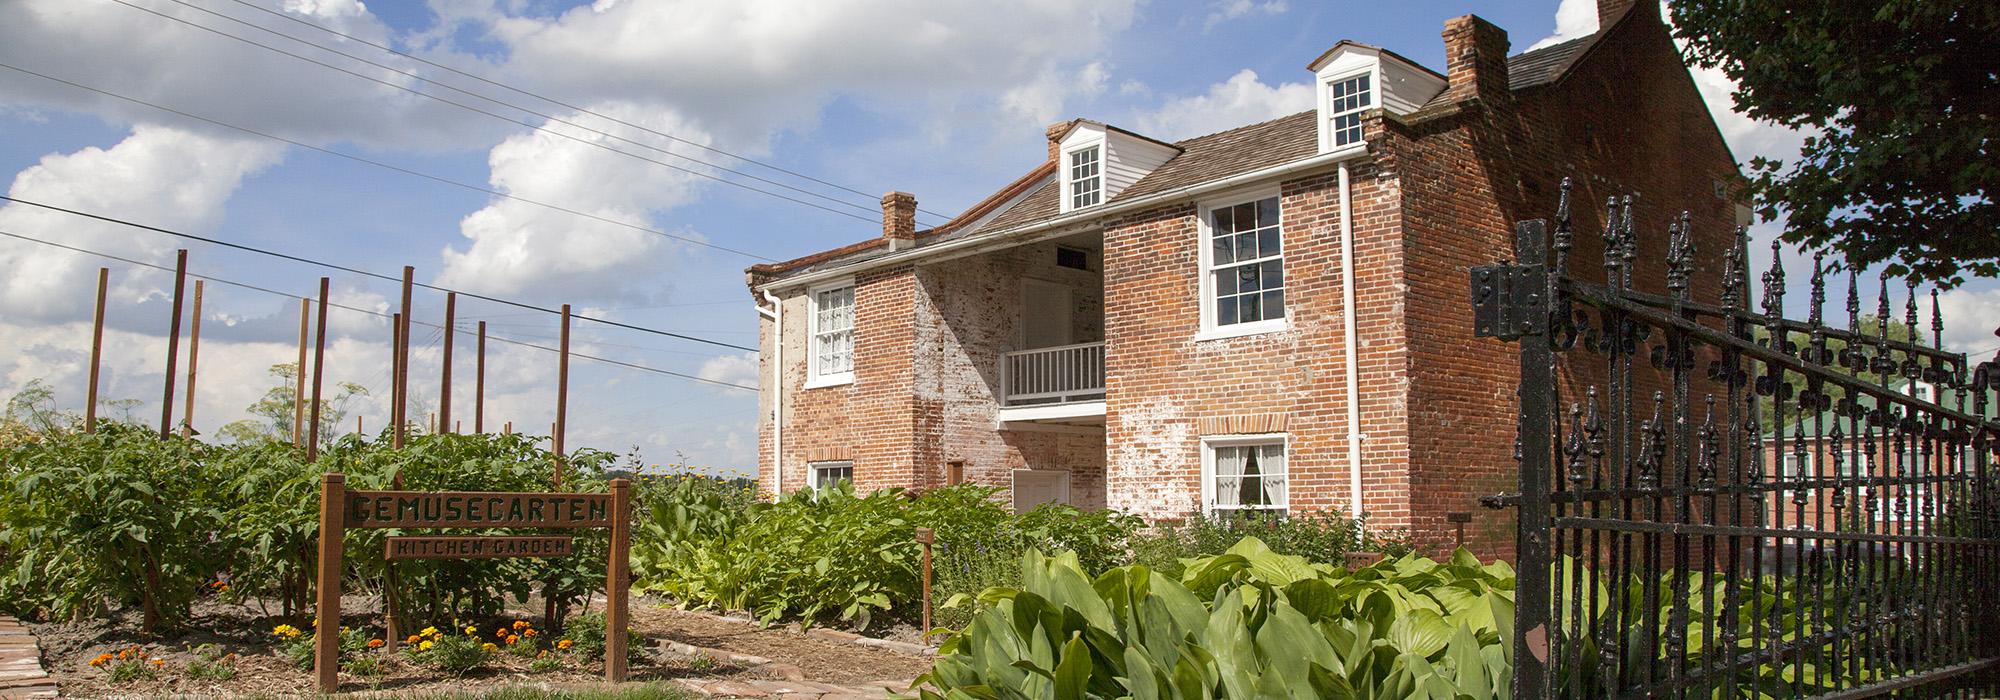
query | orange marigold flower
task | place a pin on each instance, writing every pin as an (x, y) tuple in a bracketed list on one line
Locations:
[(502, 632), (530, 632), (512, 638), (159, 662), (376, 643), (413, 639), (564, 644), (518, 624)]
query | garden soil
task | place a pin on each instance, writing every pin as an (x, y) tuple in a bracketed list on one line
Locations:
[(245, 631)]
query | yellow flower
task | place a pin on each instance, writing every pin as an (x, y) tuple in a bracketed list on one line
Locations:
[(428, 631), (469, 629), (489, 648), (425, 646)]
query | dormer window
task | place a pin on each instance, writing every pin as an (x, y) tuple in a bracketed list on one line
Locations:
[(1346, 100), (1086, 185)]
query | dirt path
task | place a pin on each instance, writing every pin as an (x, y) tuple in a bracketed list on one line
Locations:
[(821, 659)]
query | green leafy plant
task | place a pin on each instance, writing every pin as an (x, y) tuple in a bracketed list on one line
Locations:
[(586, 639), (1247, 623), (211, 663)]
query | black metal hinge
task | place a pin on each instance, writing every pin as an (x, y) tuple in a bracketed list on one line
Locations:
[(1510, 301)]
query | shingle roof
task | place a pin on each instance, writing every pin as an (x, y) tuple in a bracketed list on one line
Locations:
[(1202, 159), (1542, 66)]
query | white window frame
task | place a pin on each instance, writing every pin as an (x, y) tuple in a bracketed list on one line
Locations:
[(817, 482), (1204, 232), (814, 377), (1070, 181), (1208, 447), (1374, 91)]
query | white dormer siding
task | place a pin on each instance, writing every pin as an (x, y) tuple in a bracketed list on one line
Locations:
[(1385, 81), (1121, 159)]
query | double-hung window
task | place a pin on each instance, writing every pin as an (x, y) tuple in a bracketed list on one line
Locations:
[(1245, 280), (1086, 181), (832, 357), (1347, 99), (1245, 475), (827, 474)]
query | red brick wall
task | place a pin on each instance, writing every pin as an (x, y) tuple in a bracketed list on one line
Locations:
[(1627, 120)]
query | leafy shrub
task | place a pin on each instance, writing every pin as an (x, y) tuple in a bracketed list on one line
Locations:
[(211, 663), (454, 651), (586, 639), (117, 515), (1321, 537), (1248, 623)]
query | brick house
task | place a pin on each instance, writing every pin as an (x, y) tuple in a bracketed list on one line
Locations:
[(1273, 317)]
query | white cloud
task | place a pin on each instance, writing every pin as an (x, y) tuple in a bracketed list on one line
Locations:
[(517, 248), (1574, 18), (1971, 320), (162, 176), (1226, 10), (1041, 100), (1242, 99), (731, 369)]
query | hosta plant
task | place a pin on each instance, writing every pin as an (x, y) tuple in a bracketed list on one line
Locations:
[(1248, 623)]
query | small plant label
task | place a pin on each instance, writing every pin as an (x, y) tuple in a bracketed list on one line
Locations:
[(475, 547)]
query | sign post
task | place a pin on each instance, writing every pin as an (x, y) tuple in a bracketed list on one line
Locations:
[(341, 509)]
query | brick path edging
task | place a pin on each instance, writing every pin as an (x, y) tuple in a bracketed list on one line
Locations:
[(21, 672)]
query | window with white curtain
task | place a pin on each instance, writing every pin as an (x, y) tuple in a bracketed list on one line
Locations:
[(832, 358), (826, 474), (1245, 474)]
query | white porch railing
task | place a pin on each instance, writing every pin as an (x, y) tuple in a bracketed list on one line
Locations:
[(1059, 374)]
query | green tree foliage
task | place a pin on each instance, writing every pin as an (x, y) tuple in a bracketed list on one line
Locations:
[(271, 419), (1901, 99)]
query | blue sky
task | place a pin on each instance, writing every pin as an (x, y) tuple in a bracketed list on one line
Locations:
[(945, 100)]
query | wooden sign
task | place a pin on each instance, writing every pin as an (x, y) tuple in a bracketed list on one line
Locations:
[(475, 547), (414, 509), (340, 510)]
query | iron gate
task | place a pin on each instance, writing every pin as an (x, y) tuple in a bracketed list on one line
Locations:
[(1716, 502)]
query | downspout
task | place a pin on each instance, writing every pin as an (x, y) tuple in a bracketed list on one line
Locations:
[(777, 315), (1354, 434)]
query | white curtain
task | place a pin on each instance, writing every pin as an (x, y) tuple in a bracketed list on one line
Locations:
[(1272, 463), (1228, 476)]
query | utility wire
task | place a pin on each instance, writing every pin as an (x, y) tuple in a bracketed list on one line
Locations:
[(501, 117), (551, 100), (376, 275), (380, 164), (371, 312), (510, 105)]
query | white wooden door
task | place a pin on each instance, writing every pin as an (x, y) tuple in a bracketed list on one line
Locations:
[(1046, 315), (1033, 487)]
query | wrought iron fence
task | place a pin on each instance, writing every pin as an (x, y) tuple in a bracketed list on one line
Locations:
[(1717, 502)]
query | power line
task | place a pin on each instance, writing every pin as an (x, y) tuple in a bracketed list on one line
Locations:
[(501, 117), (380, 164), (365, 273), (371, 312), (550, 100), (510, 105)]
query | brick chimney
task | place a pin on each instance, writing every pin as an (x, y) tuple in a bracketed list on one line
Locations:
[(1055, 132), (1475, 59), (899, 219)]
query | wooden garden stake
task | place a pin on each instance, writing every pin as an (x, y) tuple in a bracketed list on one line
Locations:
[(96, 352), (925, 537), (618, 579), (444, 390), (194, 358), (1458, 519), (299, 390), (173, 343), (332, 533), (562, 396), (403, 359), (319, 375), (479, 386)]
